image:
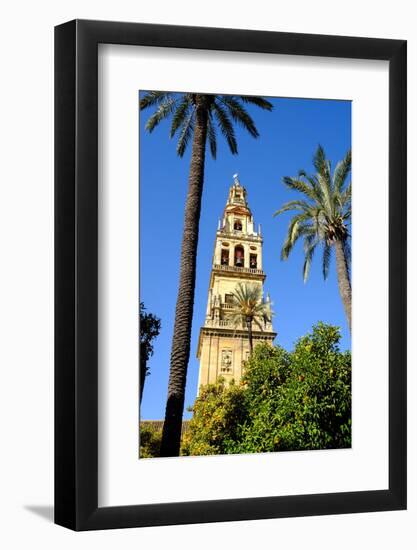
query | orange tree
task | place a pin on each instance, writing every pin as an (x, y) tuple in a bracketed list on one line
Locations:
[(285, 401)]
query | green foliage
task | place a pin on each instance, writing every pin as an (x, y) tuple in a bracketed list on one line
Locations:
[(285, 401), (218, 412), (249, 306), (221, 110), (150, 326), (249, 309), (150, 441), (323, 215)]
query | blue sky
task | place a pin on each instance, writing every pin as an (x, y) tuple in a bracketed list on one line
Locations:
[(288, 138)]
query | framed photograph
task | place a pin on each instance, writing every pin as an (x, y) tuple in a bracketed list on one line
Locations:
[(230, 253)]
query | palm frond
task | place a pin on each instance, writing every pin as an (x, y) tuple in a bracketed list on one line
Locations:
[(326, 195), (341, 172), (310, 244), (327, 253), (347, 213), (314, 182), (226, 126), (180, 114), (153, 98), (346, 196), (319, 159), (248, 303), (185, 134), (239, 114), (258, 101), (296, 229), (164, 110), (301, 186), (323, 178), (293, 205)]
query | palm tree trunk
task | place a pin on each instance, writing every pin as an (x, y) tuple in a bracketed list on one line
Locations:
[(180, 350), (344, 281), (250, 335)]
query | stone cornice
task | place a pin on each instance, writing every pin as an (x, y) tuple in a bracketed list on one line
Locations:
[(237, 272), (233, 333), (238, 236)]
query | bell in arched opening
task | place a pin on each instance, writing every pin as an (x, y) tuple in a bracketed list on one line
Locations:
[(239, 256)]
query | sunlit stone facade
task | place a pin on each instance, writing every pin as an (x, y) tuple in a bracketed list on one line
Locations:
[(237, 258)]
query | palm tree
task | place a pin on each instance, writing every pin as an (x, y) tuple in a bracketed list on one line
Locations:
[(323, 217), (249, 309), (195, 117)]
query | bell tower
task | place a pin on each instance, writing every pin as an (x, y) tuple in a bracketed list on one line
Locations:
[(237, 259)]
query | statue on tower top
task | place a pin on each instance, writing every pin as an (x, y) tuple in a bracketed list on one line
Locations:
[(237, 204)]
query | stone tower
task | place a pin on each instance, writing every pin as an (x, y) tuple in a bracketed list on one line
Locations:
[(237, 259)]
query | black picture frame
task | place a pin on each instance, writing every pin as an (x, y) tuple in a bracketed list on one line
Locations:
[(76, 272)]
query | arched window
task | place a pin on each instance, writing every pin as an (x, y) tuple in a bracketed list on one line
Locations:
[(229, 299), (253, 261), (238, 225), (239, 256), (225, 257)]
